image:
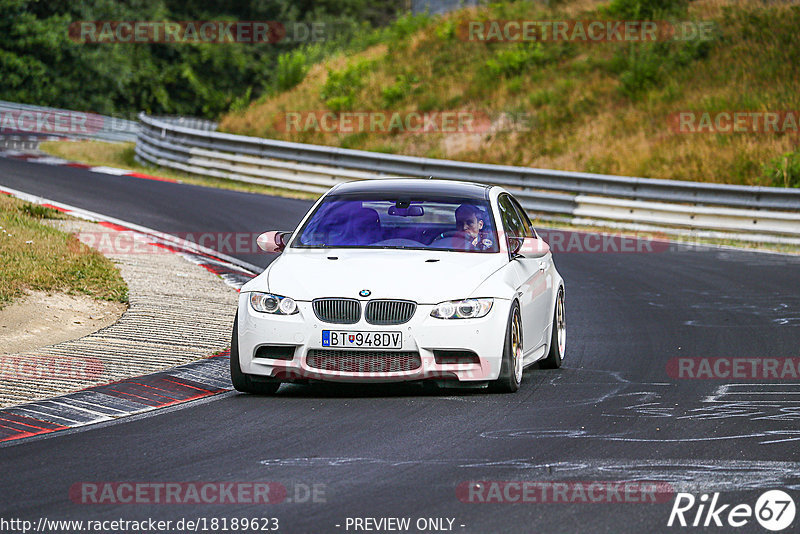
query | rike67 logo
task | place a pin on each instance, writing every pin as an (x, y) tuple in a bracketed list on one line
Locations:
[(774, 510)]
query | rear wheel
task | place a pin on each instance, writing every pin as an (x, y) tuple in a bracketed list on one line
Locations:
[(511, 369), (241, 381), (558, 337)]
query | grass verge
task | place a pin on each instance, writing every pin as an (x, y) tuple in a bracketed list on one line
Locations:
[(121, 155), (34, 256)]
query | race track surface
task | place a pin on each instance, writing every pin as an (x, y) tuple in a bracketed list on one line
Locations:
[(613, 413)]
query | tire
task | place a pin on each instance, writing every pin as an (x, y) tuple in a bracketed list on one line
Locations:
[(557, 336), (511, 369), (242, 382)]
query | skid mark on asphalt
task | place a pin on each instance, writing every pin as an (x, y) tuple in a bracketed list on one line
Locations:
[(705, 475), (756, 402), (570, 377), (786, 393), (780, 308), (636, 436), (765, 402), (682, 474)]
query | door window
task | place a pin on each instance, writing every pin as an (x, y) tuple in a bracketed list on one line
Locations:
[(523, 218), (513, 224)]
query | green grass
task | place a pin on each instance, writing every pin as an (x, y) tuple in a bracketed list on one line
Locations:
[(34, 256)]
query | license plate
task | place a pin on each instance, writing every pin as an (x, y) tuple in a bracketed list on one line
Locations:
[(362, 340)]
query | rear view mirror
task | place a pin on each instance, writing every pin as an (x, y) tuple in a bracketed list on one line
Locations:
[(410, 211), (273, 242)]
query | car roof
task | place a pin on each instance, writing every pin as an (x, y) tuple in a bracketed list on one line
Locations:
[(412, 186)]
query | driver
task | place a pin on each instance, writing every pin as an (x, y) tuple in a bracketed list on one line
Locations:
[(470, 222)]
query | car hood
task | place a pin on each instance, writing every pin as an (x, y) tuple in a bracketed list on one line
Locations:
[(427, 277)]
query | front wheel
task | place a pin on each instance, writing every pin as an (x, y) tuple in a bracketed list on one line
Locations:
[(242, 382), (511, 369), (558, 337)]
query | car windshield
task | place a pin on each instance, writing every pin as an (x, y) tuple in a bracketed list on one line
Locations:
[(463, 225)]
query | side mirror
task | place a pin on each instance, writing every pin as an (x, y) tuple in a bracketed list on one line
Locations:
[(527, 247), (515, 244), (273, 242)]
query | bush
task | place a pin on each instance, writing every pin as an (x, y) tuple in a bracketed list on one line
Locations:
[(241, 103), (403, 86), (393, 94), (341, 86), (291, 70), (642, 70), (407, 25), (40, 64), (510, 61), (641, 66), (646, 9), (783, 171), (446, 31), (541, 97)]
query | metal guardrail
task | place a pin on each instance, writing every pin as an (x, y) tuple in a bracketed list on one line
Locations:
[(190, 122), (37, 121), (754, 213)]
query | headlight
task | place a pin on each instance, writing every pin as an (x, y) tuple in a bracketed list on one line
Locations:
[(268, 303), (462, 309)]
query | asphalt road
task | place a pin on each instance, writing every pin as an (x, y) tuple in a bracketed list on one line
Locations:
[(613, 413)]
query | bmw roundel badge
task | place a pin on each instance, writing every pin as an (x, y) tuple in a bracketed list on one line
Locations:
[(365, 292)]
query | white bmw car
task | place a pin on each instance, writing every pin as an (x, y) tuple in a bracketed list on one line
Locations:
[(402, 280)]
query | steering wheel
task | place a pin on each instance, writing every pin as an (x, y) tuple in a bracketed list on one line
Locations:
[(460, 239), (450, 233)]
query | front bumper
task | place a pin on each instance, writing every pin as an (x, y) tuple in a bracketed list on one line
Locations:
[(422, 334)]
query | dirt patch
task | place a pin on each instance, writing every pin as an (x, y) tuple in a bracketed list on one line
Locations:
[(43, 319)]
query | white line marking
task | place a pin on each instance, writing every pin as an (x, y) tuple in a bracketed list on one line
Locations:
[(163, 237), (110, 170)]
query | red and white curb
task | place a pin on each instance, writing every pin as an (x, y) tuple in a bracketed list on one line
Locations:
[(196, 380), (97, 404), (39, 157)]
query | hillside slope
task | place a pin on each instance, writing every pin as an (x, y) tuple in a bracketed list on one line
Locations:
[(605, 107)]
